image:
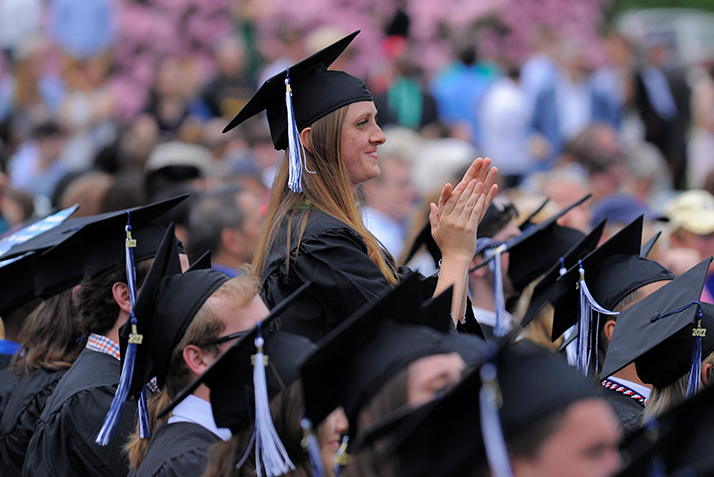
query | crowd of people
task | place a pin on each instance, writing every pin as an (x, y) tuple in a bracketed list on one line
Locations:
[(182, 297)]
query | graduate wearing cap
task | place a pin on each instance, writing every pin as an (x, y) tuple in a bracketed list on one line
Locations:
[(186, 320), (521, 412), (326, 122), (665, 335), (497, 225), (616, 277), (64, 441)]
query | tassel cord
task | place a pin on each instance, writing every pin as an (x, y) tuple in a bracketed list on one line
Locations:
[(493, 439)]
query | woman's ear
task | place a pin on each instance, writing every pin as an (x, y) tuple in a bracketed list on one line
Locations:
[(706, 373), (305, 135)]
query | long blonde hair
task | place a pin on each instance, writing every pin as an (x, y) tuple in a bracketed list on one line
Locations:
[(662, 399), (327, 190)]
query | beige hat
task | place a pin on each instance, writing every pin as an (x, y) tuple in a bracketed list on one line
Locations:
[(176, 153), (692, 211)]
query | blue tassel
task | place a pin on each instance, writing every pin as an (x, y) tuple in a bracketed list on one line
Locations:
[(341, 457), (270, 454), (296, 150), (120, 396), (563, 268), (493, 439), (501, 327), (144, 431), (587, 341), (310, 444), (695, 369)]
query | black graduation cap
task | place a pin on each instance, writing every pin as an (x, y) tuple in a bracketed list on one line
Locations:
[(657, 332), (544, 291), (531, 232), (316, 92), (612, 271), (371, 346), (494, 220), (229, 376), (444, 437), (101, 238), (165, 306), (678, 442), (17, 282)]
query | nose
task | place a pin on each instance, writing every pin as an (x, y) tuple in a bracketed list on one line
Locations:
[(341, 423), (378, 138)]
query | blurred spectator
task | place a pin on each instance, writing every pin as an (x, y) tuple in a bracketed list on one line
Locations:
[(19, 20), (691, 217), (564, 186), (83, 28), (88, 190), (175, 163), (125, 192), (430, 175), (614, 79), (388, 200), (406, 102), (648, 176), (36, 166), (701, 142), (620, 210), (571, 104), (169, 95), (232, 86), (662, 98), (16, 206), (459, 87), (4, 224), (227, 221), (28, 94), (288, 49), (505, 118), (540, 71), (87, 112)]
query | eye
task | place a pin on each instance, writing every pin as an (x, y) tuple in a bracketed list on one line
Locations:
[(362, 122)]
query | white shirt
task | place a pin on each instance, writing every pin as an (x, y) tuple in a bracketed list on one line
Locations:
[(638, 388), (198, 411), (488, 317)]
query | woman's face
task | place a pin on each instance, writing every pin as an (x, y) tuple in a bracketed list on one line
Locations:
[(433, 375), (360, 137), (330, 435)]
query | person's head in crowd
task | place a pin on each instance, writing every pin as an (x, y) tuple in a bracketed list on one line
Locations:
[(229, 52), (125, 192), (88, 190), (454, 155), (227, 221), (16, 205), (620, 210), (174, 163), (665, 334), (647, 169), (564, 186), (691, 221), (219, 144), (138, 141), (597, 149), (392, 192), (551, 420)]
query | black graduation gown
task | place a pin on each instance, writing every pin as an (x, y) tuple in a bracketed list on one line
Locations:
[(63, 443), (21, 415), (334, 258), (7, 384), (628, 410), (178, 449)]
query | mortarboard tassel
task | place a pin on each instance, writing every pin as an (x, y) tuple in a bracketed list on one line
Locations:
[(563, 268), (501, 327), (587, 344), (341, 456), (493, 439), (296, 150), (120, 396), (270, 454), (312, 447), (695, 368)]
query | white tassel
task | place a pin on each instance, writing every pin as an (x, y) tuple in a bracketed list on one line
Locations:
[(270, 454), (493, 439), (296, 150), (502, 327), (587, 344)]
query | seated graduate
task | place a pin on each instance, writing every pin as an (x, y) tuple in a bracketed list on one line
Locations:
[(389, 356), (326, 120), (256, 393), (665, 335), (51, 341), (185, 320), (64, 441), (506, 264), (523, 412), (616, 276)]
